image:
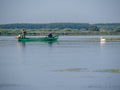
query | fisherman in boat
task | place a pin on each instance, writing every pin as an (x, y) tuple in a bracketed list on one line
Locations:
[(23, 33), (50, 35)]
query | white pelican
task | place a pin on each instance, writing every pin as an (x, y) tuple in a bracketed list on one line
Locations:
[(102, 40)]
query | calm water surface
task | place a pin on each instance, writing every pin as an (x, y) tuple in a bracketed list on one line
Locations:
[(72, 63)]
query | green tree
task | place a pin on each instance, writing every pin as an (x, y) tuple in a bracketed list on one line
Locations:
[(117, 29), (93, 28)]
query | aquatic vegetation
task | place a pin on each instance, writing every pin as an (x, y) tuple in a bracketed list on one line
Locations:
[(109, 70), (113, 39), (9, 85), (70, 70), (87, 70)]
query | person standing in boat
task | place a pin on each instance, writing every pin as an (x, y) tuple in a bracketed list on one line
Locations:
[(23, 33), (50, 35)]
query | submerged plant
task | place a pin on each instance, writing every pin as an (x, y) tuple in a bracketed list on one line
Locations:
[(109, 70)]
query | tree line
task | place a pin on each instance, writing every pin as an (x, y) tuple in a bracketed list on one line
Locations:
[(61, 28), (49, 25)]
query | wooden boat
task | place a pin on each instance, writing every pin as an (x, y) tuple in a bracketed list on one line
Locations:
[(38, 39)]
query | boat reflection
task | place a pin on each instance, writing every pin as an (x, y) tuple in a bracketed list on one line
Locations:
[(51, 43), (23, 44)]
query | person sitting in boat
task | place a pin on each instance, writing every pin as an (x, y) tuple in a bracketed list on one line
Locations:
[(50, 35), (23, 33)]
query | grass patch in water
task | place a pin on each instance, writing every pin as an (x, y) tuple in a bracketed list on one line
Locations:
[(9, 85), (113, 39), (109, 70), (87, 70), (70, 70)]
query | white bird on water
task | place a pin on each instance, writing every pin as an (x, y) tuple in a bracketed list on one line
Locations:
[(102, 40)]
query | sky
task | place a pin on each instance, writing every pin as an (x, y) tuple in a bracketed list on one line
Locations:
[(58, 11)]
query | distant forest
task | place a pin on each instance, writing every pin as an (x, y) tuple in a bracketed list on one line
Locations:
[(62, 29)]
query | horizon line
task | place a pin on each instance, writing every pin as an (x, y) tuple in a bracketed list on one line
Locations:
[(62, 22)]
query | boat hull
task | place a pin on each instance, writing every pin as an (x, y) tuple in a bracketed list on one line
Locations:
[(38, 39)]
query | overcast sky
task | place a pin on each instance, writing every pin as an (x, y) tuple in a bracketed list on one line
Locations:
[(51, 11)]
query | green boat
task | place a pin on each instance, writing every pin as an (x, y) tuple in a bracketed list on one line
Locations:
[(47, 39)]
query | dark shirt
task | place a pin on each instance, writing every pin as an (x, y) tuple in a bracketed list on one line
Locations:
[(50, 35)]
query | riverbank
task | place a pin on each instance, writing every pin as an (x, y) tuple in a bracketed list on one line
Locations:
[(44, 32)]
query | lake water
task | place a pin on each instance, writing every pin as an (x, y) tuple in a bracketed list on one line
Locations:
[(72, 63)]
